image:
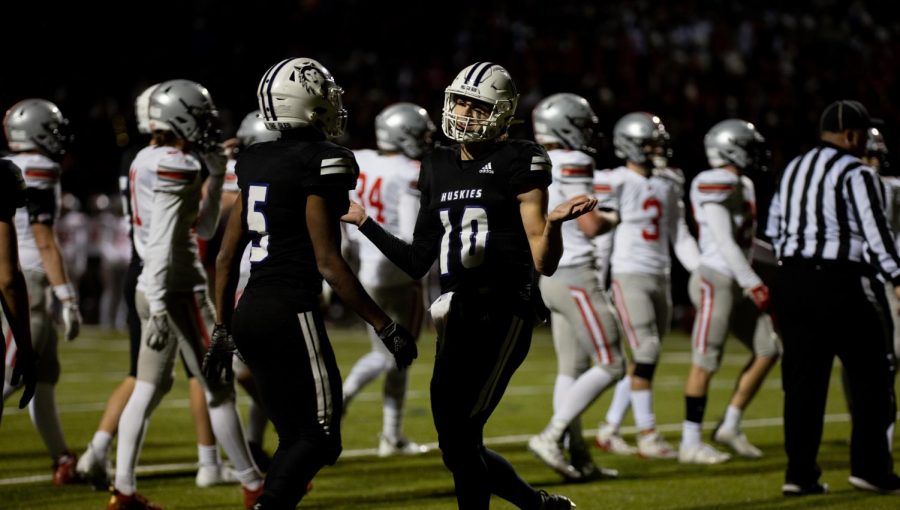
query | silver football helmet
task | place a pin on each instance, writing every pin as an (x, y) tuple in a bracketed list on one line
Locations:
[(876, 148), (404, 127), (565, 119), (36, 124), (490, 84), (185, 108), (300, 92), (736, 142), (641, 138), (253, 130), (142, 110)]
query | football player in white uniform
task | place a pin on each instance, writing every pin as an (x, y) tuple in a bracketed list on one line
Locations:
[(36, 132), (387, 188), (171, 299), (728, 294), (644, 198), (585, 329)]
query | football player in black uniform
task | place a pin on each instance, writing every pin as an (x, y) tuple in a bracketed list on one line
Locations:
[(293, 192), (13, 294), (483, 215)]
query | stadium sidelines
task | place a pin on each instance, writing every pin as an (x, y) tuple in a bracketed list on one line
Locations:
[(190, 467)]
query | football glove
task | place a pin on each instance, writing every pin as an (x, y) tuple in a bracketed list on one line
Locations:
[(25, 372), (401, 344), (760, 297), (217, 360), (158, 331), (71, 319)]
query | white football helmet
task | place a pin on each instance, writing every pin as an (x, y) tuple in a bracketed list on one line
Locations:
[(253, 130), (488, 83), (565, 119), (736, 142), (36, 124), (185, 108), (300, 92), (142, 110), (641, 138), (404, 127)]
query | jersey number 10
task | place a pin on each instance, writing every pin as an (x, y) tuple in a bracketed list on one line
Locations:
[(473, 235)]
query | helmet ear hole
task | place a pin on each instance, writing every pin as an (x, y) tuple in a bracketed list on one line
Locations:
[(300, 92)]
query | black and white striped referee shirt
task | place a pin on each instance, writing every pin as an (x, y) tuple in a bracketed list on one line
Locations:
[(828, 205)]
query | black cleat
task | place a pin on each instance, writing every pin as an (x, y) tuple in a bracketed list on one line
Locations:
[(554, 501), (793, 489)]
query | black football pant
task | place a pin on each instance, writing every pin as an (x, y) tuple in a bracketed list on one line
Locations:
[(827, 310), (294, 367), (134, 321), (486, 339)]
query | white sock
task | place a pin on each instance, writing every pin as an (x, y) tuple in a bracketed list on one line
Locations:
[(46, 420), (208, 455), (642, 405), (100, 444), (732, 419), (394, 400), (555, 429), (250, 478), (560, 389), (620, 402), (132, 429), (226, 425), (586, 389), (363, 372), (690, 433), (256, 423)]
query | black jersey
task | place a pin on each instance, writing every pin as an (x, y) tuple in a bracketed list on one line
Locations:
[(12, 189), (275, 180), (469, 218)]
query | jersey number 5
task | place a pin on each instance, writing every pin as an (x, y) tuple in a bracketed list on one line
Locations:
[(256, 222), (473, 235)]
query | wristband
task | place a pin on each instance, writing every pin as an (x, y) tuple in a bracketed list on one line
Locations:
[(64, 292)]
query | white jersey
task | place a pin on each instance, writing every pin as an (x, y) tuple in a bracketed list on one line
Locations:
[(231, 183), (736, 194), (165, 201), (40, 174), (651, 217), (387, 188), (573, 174)]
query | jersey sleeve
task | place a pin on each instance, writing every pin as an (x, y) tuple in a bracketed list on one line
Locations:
[(335, 167), (41, 178), (605, 190), (712, 189), (531, 169), (175, 173), (12, 189), (575, 174)]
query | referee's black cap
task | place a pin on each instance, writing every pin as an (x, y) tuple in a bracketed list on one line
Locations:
[(846, 114)]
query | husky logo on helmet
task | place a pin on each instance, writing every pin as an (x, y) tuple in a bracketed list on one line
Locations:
[(300, 92), (36, 124), (487, 83), (736, 142)]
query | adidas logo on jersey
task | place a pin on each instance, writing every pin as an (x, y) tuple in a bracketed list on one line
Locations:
[(486, 169)]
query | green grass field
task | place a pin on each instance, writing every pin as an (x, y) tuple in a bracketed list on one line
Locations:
[(94, 364)]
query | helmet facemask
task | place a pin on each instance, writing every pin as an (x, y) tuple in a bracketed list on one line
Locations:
[(480, 83)]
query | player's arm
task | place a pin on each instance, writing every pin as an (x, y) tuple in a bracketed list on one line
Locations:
[(683, 242), (164, 219), (544, 231), (228, 262), (208, 216), (12, 287), (719, 227)]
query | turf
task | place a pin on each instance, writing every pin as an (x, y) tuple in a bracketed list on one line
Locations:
[(93, 366)]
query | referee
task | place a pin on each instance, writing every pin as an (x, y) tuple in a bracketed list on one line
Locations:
[(828, 224)]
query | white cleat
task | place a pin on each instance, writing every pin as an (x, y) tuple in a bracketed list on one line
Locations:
[(388, 447), (218, 474), (550, 453), (653, 446), (737, 441), (701, 453), (609, 440), (92, 469)]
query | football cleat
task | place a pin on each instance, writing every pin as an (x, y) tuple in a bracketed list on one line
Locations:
[(119, 501), (891, 486), (388, 447), (93, 470), (549, 451), (251, 495), (555, 501), (701, 453), (64, 470), (793, 489), (610, 441), (653, 446), (214, 474), (737, 441)]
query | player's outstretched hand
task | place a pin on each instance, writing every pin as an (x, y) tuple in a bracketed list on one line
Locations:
[(25, 372), (401, 344), (572, 208), (217, 360), (356, 214)]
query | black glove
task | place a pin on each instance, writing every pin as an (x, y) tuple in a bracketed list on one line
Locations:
[(25, 372), (401, 344), (217, 361)]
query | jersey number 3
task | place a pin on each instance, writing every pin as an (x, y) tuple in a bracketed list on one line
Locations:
[(473, 235), (256, 222)]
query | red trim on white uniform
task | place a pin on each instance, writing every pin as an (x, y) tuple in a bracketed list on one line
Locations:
[(593, 324), (707, 298), (619, 302)]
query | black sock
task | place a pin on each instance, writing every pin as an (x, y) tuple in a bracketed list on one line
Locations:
[(694, 408)]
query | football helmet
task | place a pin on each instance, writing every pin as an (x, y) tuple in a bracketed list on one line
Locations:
[(565, 119), (736, 142), (185, 108), (404, 127), (300, 92), (142, 110), (36, 124), (641, 138), (490, 84), (253, 130), (876, 148)]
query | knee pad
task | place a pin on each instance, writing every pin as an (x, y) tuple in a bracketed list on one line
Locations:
[(645, 370)]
